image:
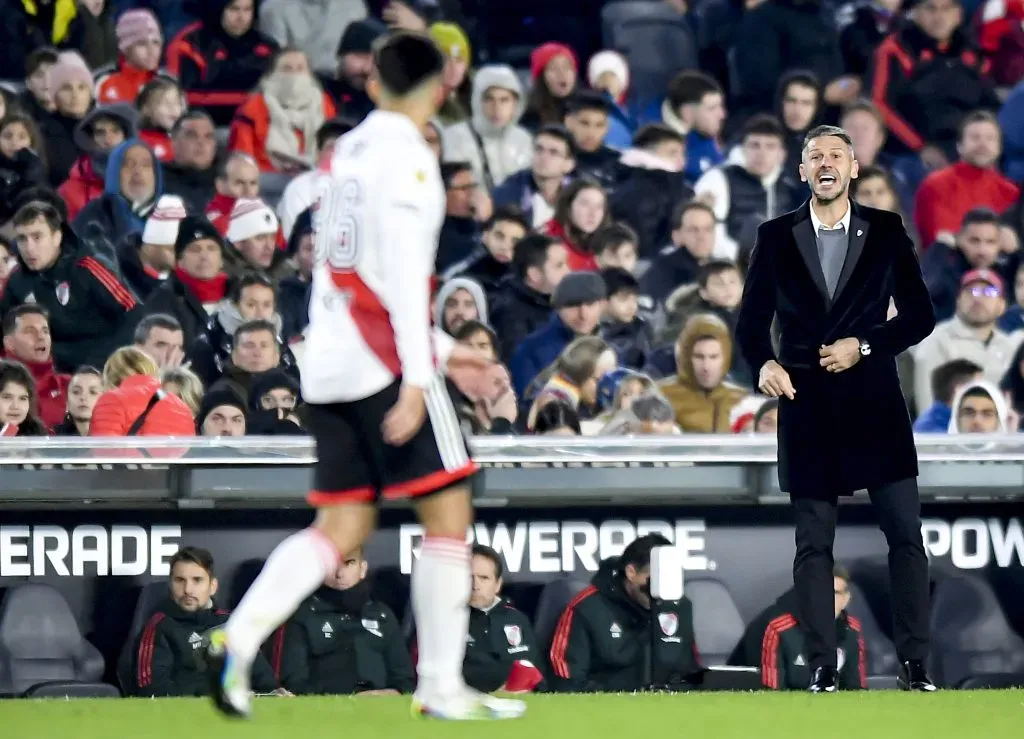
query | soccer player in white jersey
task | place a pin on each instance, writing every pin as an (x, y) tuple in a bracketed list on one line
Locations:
[(378, 408)]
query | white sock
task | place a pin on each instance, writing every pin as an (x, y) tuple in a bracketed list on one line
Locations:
[(297, 567), (440, 600)]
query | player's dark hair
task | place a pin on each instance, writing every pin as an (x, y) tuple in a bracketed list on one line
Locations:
[(948, 375), (405, 60), (482, 550), (157, 320), (685, 207), (190, 115), (980, 216), (450, 170), (333, 128), (30, 213), (977, 116), (39, 57), (819, 131), (560, 132), (764, 124), (196, 556), (690, 87), (655, 134), (612, 236), (618, 280), (714, 267), (249, 279), (556, 415), (251, 327), (531, 251), (638, 553), (10, 322), (508, 214)]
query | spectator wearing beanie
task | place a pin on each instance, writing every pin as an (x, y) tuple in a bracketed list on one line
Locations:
[(272, 405), (221, 414), (220, 59), (253, 233), (553, 69), (93, 33), (608, 73), (133, 183), (147, 259), (140, 42), (197, 286), (293, 292), (452, 40), (355, 62), (71, 82), (277, 124), (311, 25), (100, 132), (135, 404)]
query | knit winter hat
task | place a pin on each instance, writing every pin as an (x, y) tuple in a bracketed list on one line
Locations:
[(137, 25), (70, 67), (162, 225), (360, 35), (543, 54), (251, 217), (215, 399), (608, 61), (194, 228), (452, 40)]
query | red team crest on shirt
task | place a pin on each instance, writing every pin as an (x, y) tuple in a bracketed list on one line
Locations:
[(669, 623), (63, 293), (514, 635)]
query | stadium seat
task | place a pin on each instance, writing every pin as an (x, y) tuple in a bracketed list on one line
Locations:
[(149, 597), (656, 42), (552, 602), (42, 651), (716, 619), (971, 637), (882, 659)]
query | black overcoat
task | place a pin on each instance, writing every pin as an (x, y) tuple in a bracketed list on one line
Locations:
[(850, 430)]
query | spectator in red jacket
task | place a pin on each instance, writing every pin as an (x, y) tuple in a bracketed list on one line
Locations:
[(277, 125), (99, 133), (136, 404), (221, 58), (974, 182), (140, 42), (18, 402), (26, 333), (581, 210), (161, 103)]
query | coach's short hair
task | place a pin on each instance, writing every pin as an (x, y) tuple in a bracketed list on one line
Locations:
[(819, 131)]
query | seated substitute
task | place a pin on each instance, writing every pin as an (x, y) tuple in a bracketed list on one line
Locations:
[(603, 641), (340, 641), (170, 656)]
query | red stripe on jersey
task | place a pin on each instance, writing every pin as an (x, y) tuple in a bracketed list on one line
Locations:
[(371, 318)]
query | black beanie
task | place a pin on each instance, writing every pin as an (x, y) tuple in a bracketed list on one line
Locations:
[(195, 228), (360, 35), (215, 399)]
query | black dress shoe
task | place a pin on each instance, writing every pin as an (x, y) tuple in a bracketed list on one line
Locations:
[(825, 680), (913, 677)]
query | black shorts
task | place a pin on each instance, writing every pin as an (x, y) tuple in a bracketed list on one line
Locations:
[(356, 465)]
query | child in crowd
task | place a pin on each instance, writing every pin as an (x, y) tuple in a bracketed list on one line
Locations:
[(161, 103), (624, 330), (18, 402), (84, 390), (615, 245)]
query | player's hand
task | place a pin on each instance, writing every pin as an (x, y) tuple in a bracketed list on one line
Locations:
[(841, 355), (405, 417), (774, 381)]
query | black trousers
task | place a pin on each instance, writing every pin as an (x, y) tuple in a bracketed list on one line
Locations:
[(898, 506)]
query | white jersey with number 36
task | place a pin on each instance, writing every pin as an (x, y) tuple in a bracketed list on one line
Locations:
[(376, 224)]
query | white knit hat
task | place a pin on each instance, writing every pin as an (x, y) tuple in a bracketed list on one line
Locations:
[(162, 225), (608, 61), (251, 217)]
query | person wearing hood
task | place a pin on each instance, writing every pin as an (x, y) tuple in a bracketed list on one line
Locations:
[(91, 311), (252, 298), (140, 43), (608, 73), (341, 641), (699, 393), (459, 300), (277, 125), (798, 105), (695, 107), (347, 86), (747, 194), (491, 141), (220, 58), (312, 25), (980, 408), (603, 640), (168, 658), (651, 186), (102, 129), (947, 381), (586, 118), (147, 259), (133, 183), (492, 261), (192, 173), (198, 285), (293, 291), (274, 405), (71, 82)]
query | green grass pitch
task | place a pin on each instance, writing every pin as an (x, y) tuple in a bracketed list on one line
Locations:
[(879, 715)]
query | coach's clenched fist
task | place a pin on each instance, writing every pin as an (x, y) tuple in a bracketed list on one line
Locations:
[(774, 381)]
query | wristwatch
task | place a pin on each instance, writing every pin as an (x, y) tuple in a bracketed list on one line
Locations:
[(865, 348)]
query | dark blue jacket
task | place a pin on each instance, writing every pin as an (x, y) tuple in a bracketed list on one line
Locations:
[(537, 351), (935, 420)]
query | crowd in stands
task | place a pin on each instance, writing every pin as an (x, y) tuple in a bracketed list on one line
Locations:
[(159, 162)]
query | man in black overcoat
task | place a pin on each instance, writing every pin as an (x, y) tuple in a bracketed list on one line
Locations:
[(825, 273)]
